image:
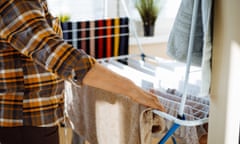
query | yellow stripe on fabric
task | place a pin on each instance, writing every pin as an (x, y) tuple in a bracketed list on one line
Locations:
[(64, 51), (8, 53), (116, 37), (11, 98), (43, 104), (10, 77), (41, 83), (41, 108), (44, 79), (10, 122), (10, 103)]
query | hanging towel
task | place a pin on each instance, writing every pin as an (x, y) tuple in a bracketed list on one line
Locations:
[(207, 46), (180, 35), (99, 38), (101, 117)]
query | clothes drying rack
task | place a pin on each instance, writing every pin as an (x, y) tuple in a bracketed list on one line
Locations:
[(182, 118)]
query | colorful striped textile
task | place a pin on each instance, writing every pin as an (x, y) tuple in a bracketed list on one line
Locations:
[(99, 38)]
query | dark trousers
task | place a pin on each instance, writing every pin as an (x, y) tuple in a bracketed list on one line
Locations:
[(29, 135)]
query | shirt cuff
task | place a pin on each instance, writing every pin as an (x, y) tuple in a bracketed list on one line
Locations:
[(81, 69)]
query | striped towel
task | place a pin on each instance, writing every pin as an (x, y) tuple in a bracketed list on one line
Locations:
[(99, 38)]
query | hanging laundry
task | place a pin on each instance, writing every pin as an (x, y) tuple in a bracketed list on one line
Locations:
[(99, 38), (178, 42), (195, 108), (179, 38), (102, 117)]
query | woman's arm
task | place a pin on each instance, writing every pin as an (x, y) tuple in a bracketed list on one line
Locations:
[(25, 27), (103, 78)]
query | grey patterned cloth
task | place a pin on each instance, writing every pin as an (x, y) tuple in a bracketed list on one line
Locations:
[(179, 38)]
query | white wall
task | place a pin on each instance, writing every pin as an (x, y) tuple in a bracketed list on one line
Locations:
[(90, 8), (94, 9), (77, 9), (224, 109)]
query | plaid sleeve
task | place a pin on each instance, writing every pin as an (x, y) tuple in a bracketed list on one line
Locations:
[(27, 30)]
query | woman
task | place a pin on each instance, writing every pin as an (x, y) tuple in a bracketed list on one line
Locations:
[(34, 62)]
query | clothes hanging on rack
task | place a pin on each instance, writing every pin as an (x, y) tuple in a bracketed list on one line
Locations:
[(200, 110), (102, 117), (100, 38), (195, 108), (207, 8), (180, 35), (139, 71)]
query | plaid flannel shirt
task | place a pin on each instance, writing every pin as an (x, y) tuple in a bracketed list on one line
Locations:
[(34, 62)]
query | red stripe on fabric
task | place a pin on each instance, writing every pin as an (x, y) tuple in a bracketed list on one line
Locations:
[(100, 40), (109, 38)]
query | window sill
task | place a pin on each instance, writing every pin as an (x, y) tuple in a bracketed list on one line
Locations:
[(148, 40)]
